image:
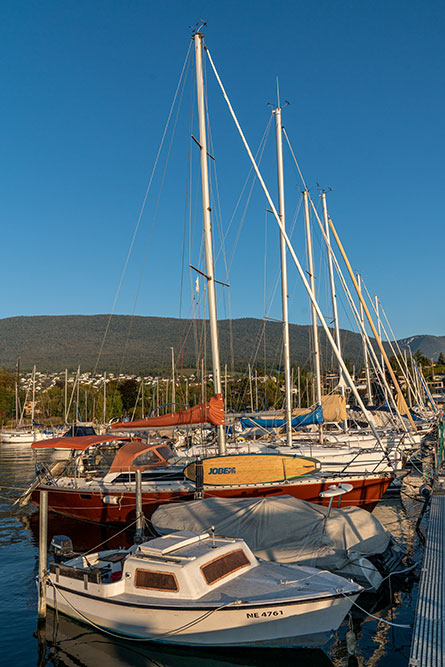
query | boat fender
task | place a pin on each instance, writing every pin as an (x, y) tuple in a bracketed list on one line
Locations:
[(111, 500), (351, 642)]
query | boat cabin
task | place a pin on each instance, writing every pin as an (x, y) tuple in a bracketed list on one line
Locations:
[(187, 565), (100, 455), (183, 565)]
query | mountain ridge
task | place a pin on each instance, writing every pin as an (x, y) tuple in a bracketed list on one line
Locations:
[(143, 343)]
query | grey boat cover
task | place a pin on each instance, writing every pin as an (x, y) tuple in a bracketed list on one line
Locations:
[(282, 529)]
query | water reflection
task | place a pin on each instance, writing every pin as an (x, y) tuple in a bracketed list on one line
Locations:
[(69, 644)]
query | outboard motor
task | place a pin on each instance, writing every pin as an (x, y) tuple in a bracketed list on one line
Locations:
[(62, 548)]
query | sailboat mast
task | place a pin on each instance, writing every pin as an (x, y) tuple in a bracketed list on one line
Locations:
[(365, 346), (333, 295), (284, 295), (33, 394), (314, 312), (198, 38), (173, 380), (17, 399)]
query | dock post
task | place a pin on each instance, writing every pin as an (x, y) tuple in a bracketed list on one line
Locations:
[(43, 545), (139, 536)]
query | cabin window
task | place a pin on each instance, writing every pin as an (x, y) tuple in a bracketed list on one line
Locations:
[(224, 565), (166, 452), (159, 581), (146, 458)]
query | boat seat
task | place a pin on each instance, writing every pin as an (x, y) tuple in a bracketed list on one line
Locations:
[(93, 574), (114, 558)]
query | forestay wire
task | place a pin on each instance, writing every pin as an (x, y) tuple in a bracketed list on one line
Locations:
[(130, 249)]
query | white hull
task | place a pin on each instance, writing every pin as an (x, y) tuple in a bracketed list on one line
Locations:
[(364, 458), (284, 624), (22, 438)]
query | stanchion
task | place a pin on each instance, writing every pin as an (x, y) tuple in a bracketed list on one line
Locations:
[(43, 542), (41, 608)]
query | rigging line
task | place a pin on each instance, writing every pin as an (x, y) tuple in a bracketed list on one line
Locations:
[(386, 334), (295, 159), (294, 257), (155, 214), (407, 374), (353, 307), (130, 249), (278, 272), (259, 155), (263, 141), (219, 222)]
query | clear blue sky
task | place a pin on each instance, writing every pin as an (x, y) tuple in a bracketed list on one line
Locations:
[(86, 89)]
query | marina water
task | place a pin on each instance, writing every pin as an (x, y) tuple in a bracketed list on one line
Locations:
[(70, 644)]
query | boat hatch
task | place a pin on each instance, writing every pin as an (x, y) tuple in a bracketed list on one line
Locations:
[(168, 543)]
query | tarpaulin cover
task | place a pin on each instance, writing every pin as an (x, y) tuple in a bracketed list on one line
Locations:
[(282, 529), (211, 412), (79, 442), (308, 418), (334, 408)]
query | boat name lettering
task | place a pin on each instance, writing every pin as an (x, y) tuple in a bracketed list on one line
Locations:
[(221, 471), (260, 614)]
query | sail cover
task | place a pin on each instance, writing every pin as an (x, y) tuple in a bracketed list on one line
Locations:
[(312, 417), (211, 412)]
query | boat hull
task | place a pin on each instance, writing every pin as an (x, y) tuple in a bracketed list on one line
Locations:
[(112, 505), (286, 624)]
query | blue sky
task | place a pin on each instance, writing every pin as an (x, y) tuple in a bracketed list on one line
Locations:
[(86, 90)]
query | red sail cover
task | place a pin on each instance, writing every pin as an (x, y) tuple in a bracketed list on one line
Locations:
[(211, 412)]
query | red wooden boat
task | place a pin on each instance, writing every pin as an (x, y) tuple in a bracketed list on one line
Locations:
[(109, 496)]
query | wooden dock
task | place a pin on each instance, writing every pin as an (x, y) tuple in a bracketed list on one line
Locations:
[(428, 643)]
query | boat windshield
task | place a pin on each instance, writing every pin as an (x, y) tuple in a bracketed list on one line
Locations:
[(96, 460)]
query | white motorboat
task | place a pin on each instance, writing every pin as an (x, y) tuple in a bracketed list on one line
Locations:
[(201, 590)]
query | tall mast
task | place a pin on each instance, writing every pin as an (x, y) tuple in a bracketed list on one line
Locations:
[(198, 38), (17, 399), (65, 411), (33, 394), (333, 295), (365, 346), (173, 379), (314, 312), (284, 295), (105, 398)]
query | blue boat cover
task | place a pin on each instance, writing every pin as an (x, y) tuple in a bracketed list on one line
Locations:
[(313, 417)]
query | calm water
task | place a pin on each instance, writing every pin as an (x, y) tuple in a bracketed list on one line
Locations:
[(70, 644)]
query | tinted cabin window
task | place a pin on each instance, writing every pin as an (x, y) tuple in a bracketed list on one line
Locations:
[(224, 565), (146, 458), (166, 453), (160, 581)]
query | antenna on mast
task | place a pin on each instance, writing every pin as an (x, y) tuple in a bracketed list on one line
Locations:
[(198, 26)]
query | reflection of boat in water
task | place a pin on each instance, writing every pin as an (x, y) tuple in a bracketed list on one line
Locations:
[(74, 645), (197, 589)]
